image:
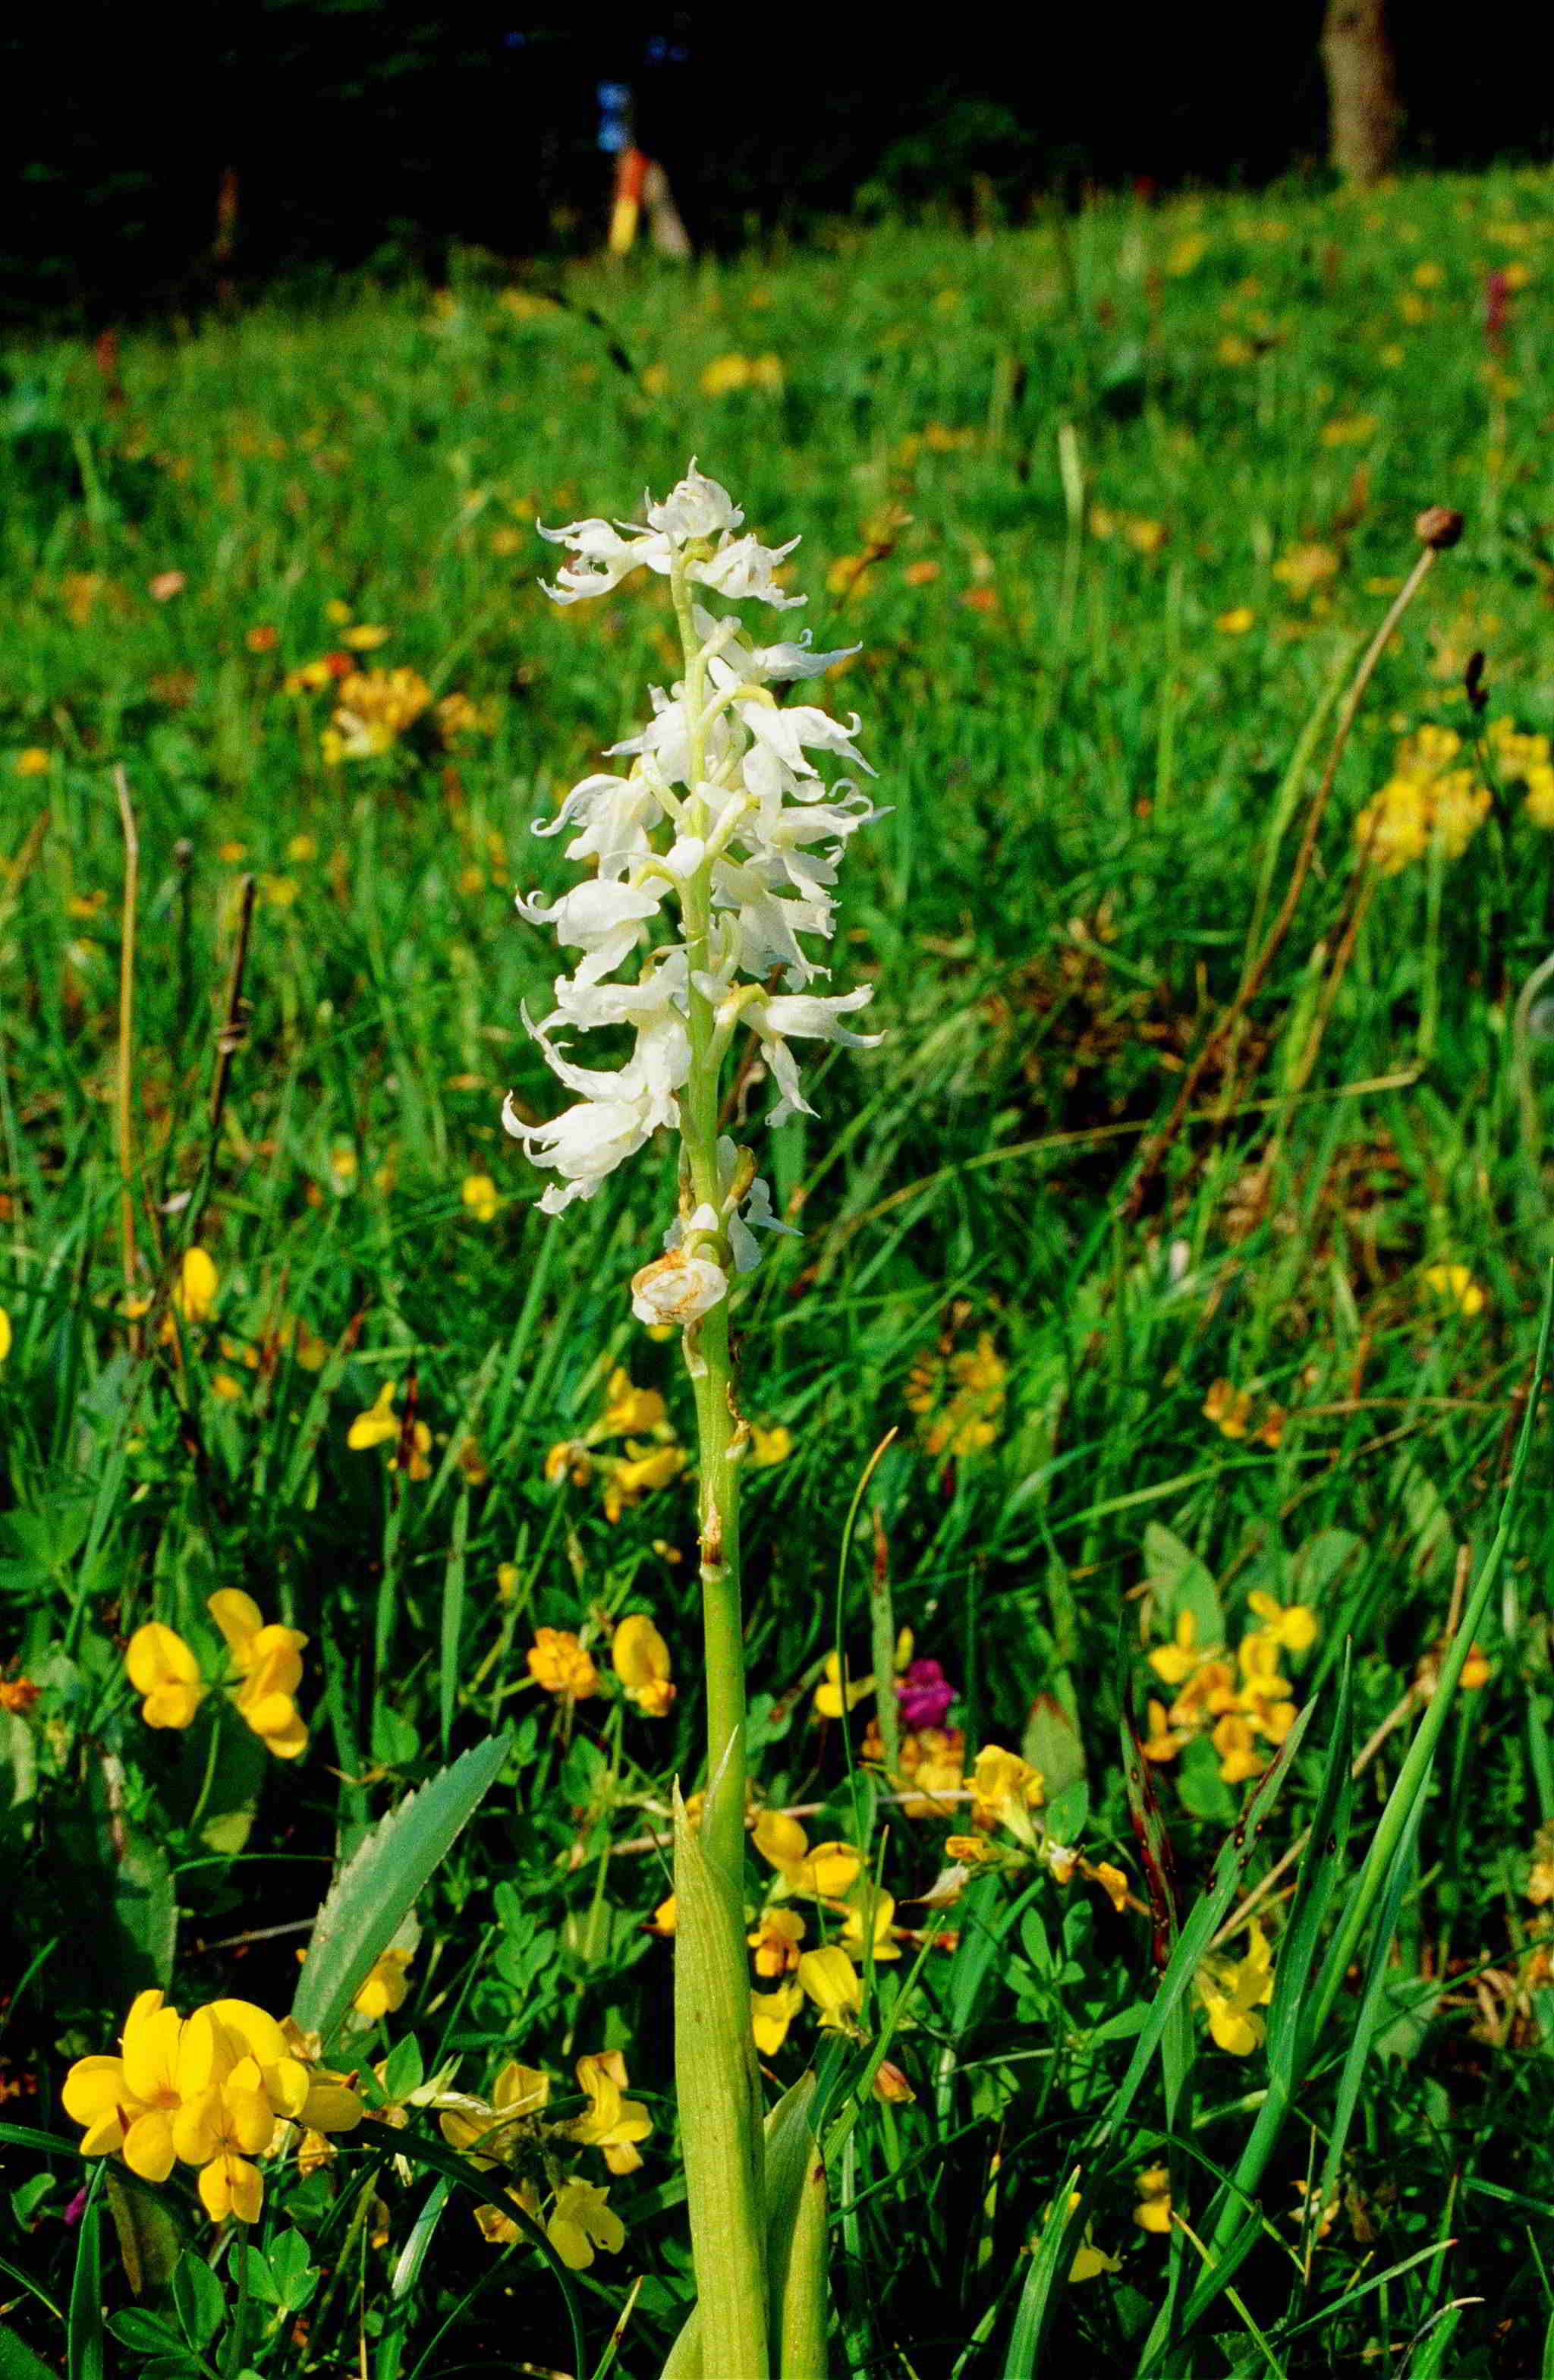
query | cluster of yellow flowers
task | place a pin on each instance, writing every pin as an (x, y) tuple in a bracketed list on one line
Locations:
[(1230, 1408), (506, 2132), (653, 1454), (1237, 1702), (959, 1398), (1433, 798), (266, 1659), (1425, 800), (560, 1662), (213, 2089), (831, 1875), (1232, 1991), (410, 1438), (374, 707), (731, 375)]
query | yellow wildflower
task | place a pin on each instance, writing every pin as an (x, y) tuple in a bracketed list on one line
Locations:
[(1006, 1788), (1239, 1756), (636, 1474), (829, 1977), (832, 1697), (969, 1850), (1176, 1661), (164, 1670), (1539, 804), (641, 1662), (614, 2122), (775, 1941), (559, 1663), (774, 1444), (1162, 1742), (194, 1292), (32, 762), (5, 1336), (1090, 2260), (378, 1425), (1305, 569), (569, 1459), (1477, 1669), (483, 2130), (375, 709), (868, 1906), (206, 2091), (1112, 1882), (1153, 2211), (1229, 1408), (582, 2220), (782, 1840), (1293, 1625), (480, 1194), (386, 1987), (1233, 1991), (665, 1918), (1236, 621), (933, 1763), (960, 1398), (1454, 1286), (628, 1411), (268, 1660), (771, 2015)]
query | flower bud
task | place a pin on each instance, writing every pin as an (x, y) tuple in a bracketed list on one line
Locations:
[(677, 1288), (1439, 525)]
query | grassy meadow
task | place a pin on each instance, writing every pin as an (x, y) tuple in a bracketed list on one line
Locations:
[(1178, 1442)]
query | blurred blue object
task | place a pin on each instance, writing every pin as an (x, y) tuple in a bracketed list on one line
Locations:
[(615, 117)]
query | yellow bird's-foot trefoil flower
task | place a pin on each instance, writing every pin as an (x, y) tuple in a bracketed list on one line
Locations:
[(166, 1672), (641, 1662), (268, 1659), (207, 2091)]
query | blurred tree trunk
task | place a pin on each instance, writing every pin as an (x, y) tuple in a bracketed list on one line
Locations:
[(1362, 89)]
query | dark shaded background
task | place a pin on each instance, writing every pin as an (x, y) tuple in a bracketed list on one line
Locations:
[(380, 133)]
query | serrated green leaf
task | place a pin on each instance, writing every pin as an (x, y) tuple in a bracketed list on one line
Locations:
[(381, 1881)]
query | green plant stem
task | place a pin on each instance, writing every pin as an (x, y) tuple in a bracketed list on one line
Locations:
[(714, 2053), (708, 1344)]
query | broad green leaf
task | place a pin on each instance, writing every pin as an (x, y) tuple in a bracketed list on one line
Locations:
[(381, 1881), (796, 2249), (198, 2296), (18, 2361), (1183, 1585), (150, 2240), (1052, 1743), (797, 2260)]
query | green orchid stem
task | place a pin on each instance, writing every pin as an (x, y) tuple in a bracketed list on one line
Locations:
[(715, 2063), (707, 1347)]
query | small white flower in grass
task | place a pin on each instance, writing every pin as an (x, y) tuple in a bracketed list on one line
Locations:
[(715, 857)]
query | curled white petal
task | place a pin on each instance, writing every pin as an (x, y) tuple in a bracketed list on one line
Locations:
[(677, 1288), (697, 507)]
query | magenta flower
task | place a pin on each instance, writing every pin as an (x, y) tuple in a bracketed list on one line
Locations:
[(925, 1694)]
